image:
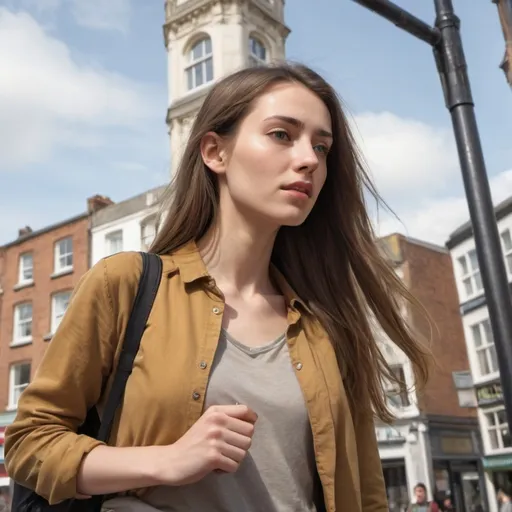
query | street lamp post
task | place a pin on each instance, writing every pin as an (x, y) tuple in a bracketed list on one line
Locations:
[(451, 64)]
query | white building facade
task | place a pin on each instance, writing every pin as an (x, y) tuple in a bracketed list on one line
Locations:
[(403, 446), (208, 39), (126, 226), (497, 442)]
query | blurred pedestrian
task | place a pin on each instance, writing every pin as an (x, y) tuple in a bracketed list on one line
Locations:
[(421, 503)]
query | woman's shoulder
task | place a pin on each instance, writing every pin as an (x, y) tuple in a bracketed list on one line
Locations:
[(121, 271), (122, 266)]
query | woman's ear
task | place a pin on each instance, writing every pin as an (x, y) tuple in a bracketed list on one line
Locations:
[(213, 152)]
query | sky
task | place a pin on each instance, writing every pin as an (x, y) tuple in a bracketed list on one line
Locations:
[(83, 99)]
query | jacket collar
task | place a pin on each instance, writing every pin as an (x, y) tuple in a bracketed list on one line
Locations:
[(191, 267)]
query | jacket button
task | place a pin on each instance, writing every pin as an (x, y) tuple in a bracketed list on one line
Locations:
[(203, 365), (216, 310), (298, 366), (196, 395)]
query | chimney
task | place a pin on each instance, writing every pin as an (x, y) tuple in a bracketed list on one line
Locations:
[(24, 231), (98, 202)]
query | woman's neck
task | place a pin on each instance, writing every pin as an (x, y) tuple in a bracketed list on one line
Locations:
[(238, 256)]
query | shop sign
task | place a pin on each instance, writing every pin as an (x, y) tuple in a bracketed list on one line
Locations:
[(462, 380), (490, 394), (498, 463), (389, 434), (457, 445)]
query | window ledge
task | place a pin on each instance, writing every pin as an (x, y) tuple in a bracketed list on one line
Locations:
[(60, 273), (48, 337), (11, 408), (490, 378), (498, 451), (23, 284), (21, 343)]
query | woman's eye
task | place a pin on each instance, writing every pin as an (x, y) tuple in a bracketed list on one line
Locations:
[(321, 148), (280, 135)]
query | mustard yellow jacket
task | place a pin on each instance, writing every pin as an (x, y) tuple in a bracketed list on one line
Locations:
[(164, 395)]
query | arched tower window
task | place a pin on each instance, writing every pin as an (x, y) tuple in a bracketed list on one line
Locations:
[(257, 52), (199, 70)]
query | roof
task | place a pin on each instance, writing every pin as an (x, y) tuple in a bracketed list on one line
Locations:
[(465, 232), (126, 208), (390, 245), (47, 229)]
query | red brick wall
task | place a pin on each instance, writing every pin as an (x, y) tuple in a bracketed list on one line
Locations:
[(429, 275), (40, 294)]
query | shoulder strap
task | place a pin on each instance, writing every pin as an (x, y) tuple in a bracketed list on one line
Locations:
[(148, 286)]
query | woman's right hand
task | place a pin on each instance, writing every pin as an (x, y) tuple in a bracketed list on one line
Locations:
[(218, 441)]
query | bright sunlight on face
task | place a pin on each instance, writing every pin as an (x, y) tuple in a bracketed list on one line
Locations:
[(278, 159)]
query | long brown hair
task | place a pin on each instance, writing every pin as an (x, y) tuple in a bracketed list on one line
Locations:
[(332, 259)]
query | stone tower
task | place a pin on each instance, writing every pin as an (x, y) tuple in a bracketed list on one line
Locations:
[(208, 39)]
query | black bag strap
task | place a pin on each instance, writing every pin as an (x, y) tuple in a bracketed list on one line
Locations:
[(148, 286)]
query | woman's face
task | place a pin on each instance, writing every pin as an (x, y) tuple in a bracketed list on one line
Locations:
[(276, 164)]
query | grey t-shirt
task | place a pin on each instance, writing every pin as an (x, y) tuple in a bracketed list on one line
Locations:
[(278, 473), (506, 507)]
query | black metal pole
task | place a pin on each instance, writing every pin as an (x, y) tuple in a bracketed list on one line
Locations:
[(455, 81), (402, 19), (451, 64), (505, 14)]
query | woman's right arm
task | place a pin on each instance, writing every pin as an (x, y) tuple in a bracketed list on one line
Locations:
[(42, 450), (219, 440)]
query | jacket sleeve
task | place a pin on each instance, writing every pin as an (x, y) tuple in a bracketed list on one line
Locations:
[(373, 488), (42, 450)]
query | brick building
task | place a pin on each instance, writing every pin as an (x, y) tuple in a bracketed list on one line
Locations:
[(435, 439), (38, 272)]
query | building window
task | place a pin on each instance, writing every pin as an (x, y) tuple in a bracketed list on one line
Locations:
[(484, 347), (26, 268), (506, 241), (22, 323), (114, 242), (60, 303), (398, 396), (63, 255), (470, 273), (199, 70), (257, 52), (148, 233), (497, 429), (19, 379)]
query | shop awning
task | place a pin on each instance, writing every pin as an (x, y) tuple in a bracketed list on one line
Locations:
[(498, 462)]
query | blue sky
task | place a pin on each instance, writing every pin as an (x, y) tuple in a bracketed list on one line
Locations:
[(83, 98)]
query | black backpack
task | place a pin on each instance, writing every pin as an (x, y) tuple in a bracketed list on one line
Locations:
[(26, 500)]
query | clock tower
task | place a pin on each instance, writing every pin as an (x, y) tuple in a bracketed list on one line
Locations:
[(208, 39)]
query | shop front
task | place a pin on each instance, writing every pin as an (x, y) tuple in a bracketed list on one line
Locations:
[(5, 482), (4, 479), (457, 467), (497, 462), (404, 462), (498, 469)]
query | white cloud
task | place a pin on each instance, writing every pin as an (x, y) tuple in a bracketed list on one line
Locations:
[(102, 14), (41, 6), (48, 101), (94, 14), (404, 155), (434, 219), (416, 170)]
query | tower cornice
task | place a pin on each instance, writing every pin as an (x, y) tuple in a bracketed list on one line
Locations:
[(179, 15)]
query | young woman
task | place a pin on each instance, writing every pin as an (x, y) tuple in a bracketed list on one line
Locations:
[(258, 375)]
